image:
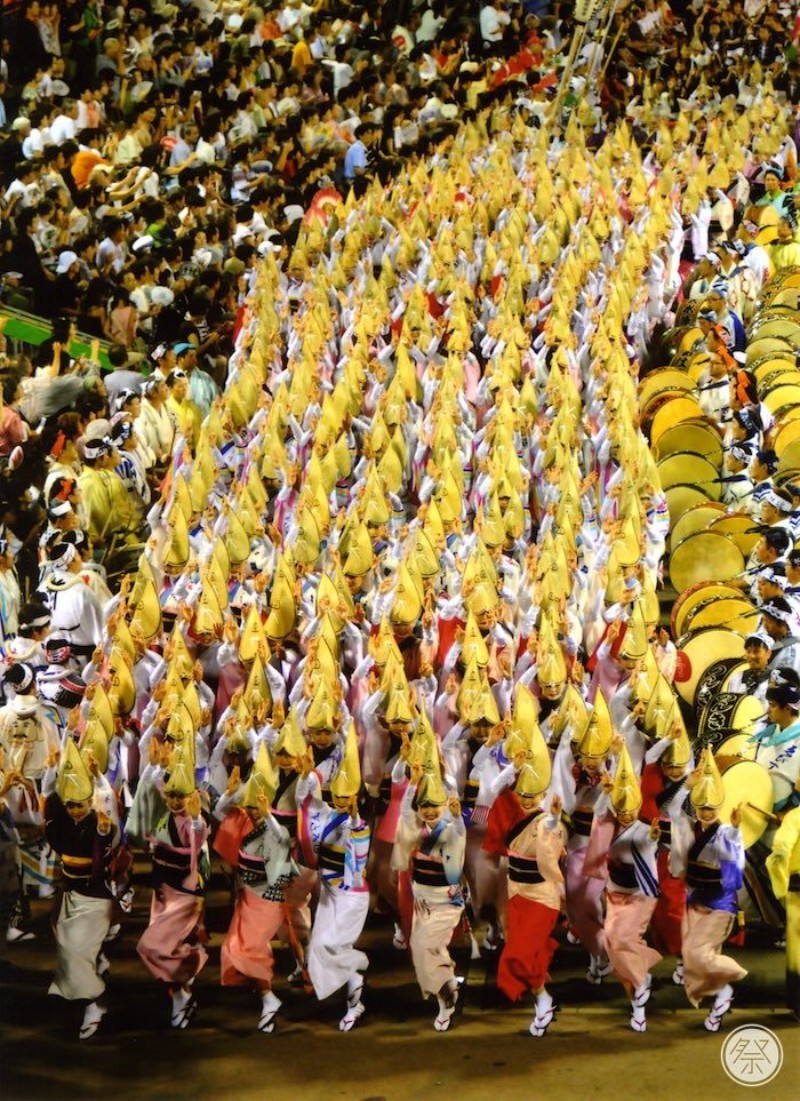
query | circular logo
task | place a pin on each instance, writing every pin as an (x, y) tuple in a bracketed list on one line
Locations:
[(752, 1055)]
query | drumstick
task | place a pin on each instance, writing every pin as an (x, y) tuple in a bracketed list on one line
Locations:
[(749, 722), (722, 479), (738, 729), (729, 619), (766, 813)]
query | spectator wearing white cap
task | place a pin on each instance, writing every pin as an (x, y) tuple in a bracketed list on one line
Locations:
[(68, 286), (21, 126)]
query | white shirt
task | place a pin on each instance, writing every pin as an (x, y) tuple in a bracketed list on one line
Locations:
[(293, 15), (492, 23), (205, 151), (33, 145), (429, 26), (714, 396), (29, 194), (128, 150), (342, 74), (62, 129)]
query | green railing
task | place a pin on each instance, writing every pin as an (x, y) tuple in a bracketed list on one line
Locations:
[(26, 330)]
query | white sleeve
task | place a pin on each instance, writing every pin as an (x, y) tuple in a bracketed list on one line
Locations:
[(503, 780)]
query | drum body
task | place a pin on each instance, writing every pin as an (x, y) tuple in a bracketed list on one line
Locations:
[(704, 556), (697, 518), (697, 435), (716, 679), (726, 714), (738, 746), (749, 787), (697, 652), (741, 528), (738, 614)]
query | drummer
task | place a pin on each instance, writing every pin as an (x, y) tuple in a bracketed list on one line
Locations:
[(793, 489), (705, 271), (737, 488), (776, 509), (784, 252), (793, 575), (754, 680), (706, 320), (713, 388), (768, 551), (777, 745), (771, 581), (774, 195), (762, 471), (745, 429), (745, 399), (780, 623), (717, 302)]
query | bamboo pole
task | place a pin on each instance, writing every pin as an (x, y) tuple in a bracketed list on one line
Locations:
[(611, 53), (577, 41), (612, 12)]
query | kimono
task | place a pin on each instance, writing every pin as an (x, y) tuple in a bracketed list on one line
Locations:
[(631, 897), (476, 769), (84, 916), (581, 791), (168, 947), (713, 862), (533, 844), (435, 857), (340, 844), (261, 855), (658, 793)]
